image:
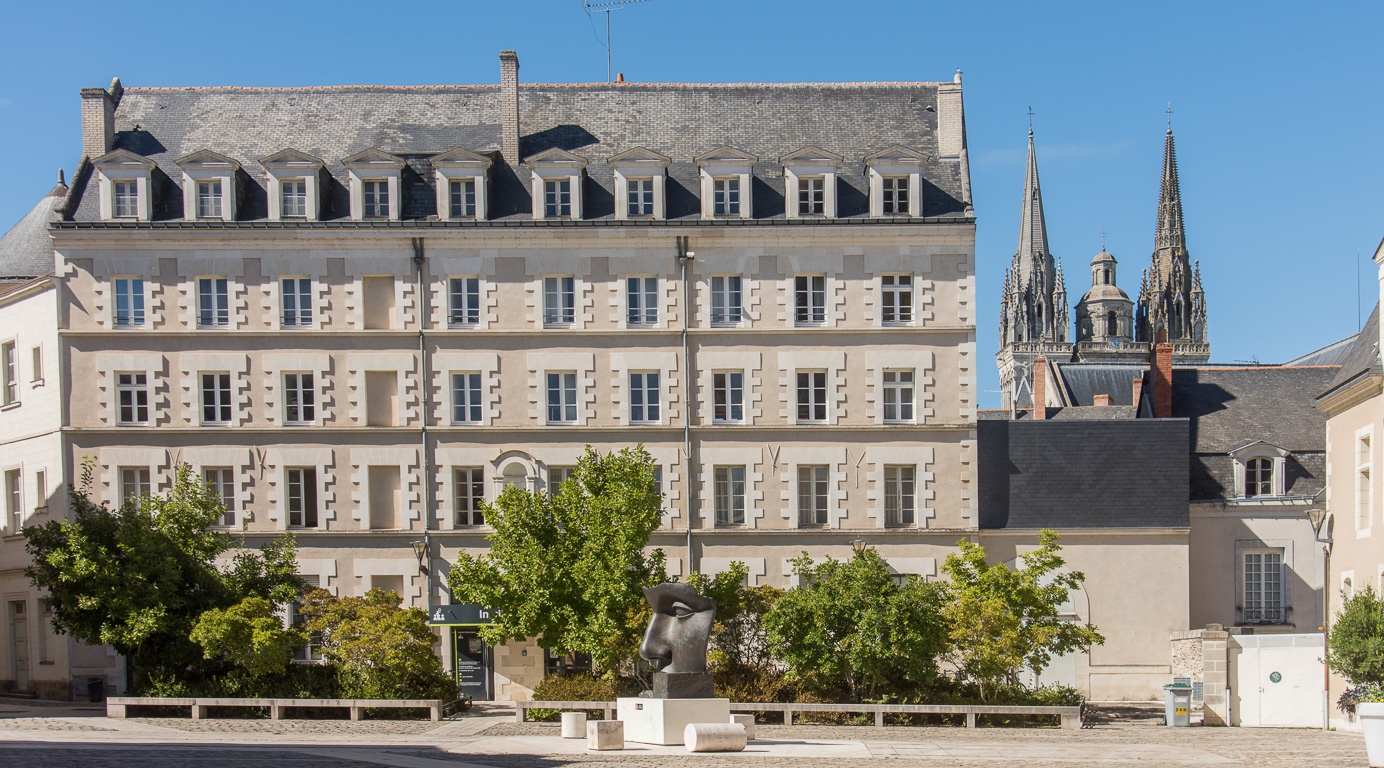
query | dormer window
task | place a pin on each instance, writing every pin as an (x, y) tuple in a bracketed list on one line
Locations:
[(374, 176), (1260, 470), (208, 186), (557, 181), (810, 182), (294, 185), (726, 174), (640, 177), (126, 184), (895, 181), (460, 177)]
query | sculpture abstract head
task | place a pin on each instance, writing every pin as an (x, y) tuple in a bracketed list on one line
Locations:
[(679, 628)]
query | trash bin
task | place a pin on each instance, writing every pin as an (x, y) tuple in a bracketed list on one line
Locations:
[(96, 690), (1177, 705)]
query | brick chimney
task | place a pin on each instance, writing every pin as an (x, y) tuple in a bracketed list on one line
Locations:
[(1040, 389), (1162, 364), (1138, 391), (98, 122), (1101, 401), (509, 107)]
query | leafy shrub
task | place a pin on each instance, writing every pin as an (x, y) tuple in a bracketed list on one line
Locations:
[(576, 687), (1357, 639)]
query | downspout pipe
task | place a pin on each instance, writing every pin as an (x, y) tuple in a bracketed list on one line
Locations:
[(425, 407), (684, 256)]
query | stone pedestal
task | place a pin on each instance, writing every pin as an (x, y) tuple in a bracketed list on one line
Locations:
[(605, 734), (573, 725), (662, 721), (684, 685), (747, 722)]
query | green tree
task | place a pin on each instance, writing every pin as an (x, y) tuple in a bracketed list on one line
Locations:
[(850, 629), (1357, 639), (139, 576), (382, 650), (739, 643), (569, 569), (250, 635), (1003, 620)]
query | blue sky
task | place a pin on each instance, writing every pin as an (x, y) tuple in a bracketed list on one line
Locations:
[(1277, 111)]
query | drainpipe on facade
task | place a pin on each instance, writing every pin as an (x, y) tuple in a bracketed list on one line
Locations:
[(425, 410), (685, 256)]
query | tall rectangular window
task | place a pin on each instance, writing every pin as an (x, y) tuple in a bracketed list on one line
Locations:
[(297, 301), (1263, 586), (129, 301), (465, 293), (134, 483), (896, 195), (899, 495), (469, 484), (376, 203), (209, 199), (557, 476), (898, 395), (40, 490), (213, 302), (221, 481), (813, 491), (462, 199), (1364, 513), (728, 392), (726, 196), (300, 399), (312, 652), (642, 296), (726, 306), (126, 198), (810, 299), (216, 398), (9, 371), (644, 397), (730, 495), (812, 396), (302, 497), (812, 196), (641, 197), (557, 197), (132, 398), (37, 365), (293, 198), (898, 298), (14, 501), (466, 398), (559, 300), (562, 397)]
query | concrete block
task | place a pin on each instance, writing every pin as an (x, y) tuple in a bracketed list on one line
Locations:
[(747, 721), (605, 734), (573, 725), (714, 737), (664, 721)]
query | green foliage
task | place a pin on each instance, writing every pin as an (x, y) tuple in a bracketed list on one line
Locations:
[(849, 628), (381, 650), (1357, 639), (739, 646), (570, 569), (138, 577), (1002, 621), (250, 635)]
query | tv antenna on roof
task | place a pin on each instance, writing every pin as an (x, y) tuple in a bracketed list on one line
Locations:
[(606, 8)]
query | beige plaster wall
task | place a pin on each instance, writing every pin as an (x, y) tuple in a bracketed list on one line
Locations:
[(1216, 575)]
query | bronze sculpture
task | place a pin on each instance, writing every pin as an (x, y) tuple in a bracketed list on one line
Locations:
[(675, 642)]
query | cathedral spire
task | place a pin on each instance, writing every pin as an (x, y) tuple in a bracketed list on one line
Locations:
[(1033, 228), (1169, 233)]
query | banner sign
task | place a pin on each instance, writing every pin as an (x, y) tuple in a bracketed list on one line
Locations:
[(460, 615)]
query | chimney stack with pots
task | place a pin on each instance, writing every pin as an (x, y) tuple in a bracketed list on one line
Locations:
[(509, 107)]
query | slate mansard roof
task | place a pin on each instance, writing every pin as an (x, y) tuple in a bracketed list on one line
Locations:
[(594, 121), (26, 251), (1127, 473)]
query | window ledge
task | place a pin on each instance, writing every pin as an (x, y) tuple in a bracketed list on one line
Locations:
[(12, 537), (10, 406)]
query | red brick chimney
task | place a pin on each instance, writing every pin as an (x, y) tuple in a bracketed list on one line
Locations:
[(1138, 391), (1101, 400), (1162, 380), (1040, 388)]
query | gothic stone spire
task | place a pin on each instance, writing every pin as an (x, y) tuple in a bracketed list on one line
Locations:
[(1170, 240), (1033, 228)]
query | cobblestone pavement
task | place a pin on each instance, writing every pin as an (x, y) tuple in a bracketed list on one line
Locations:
[(358, 728)]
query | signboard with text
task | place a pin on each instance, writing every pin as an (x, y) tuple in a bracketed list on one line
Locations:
[(460, 615)]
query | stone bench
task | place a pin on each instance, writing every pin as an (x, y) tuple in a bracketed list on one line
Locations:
[(1070, 716), (201, 707)]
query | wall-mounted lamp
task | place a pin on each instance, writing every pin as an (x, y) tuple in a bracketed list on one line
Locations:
[(858, 545), (420, 550)]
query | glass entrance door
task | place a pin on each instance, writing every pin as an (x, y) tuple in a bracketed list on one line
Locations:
[(473, 660)]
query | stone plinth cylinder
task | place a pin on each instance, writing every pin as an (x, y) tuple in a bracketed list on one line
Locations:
[(573, 725), (714, 737), (747, 721), (605, 734)]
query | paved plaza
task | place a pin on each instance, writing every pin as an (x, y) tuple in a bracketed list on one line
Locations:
[(47, 735)]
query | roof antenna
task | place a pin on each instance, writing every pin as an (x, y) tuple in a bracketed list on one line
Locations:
[(605, 8)]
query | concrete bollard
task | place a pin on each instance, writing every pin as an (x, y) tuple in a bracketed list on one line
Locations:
[(748, 722), (605, 734), (714, 737), (573, 725)]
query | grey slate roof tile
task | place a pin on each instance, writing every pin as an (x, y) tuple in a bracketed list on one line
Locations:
[(1363, 357), (27, 250), (1231, 407)]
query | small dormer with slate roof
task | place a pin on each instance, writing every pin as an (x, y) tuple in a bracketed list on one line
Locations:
[(375, 186), (294, 185), (126, 181), (641, 176), (896, 178), (810, 182), (1259, 470), (557, 184), (461, 188), (209, 186), (726, 175)]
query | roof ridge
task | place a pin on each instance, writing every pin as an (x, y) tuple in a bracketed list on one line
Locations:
[(254, 88)]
